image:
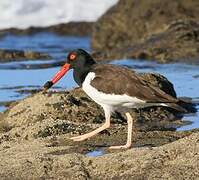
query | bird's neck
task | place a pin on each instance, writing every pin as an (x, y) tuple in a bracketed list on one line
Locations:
[(80, 73)]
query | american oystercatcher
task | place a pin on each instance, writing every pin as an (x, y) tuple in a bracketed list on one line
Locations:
[(112, 87)]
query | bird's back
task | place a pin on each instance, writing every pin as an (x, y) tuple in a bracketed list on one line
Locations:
[(112, 79)]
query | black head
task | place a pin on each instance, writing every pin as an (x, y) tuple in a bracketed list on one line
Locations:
[(81, 62), (79, 59)]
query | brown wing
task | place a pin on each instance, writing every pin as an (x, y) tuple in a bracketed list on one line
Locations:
[(119, 80)]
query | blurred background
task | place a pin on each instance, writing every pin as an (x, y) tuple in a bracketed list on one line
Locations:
[(26, 13), (20, 73), (149, 36)]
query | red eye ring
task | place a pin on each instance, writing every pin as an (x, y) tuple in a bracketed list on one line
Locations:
[(72, 56)]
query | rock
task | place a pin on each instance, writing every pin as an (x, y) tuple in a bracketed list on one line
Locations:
[(179, 42), (37, 160), (10, 55), (177, 160), (161, 82), (68, 29), (72, 29), (160, 30)]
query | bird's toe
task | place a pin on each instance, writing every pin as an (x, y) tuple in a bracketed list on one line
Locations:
[(78, 138), (120, 147)]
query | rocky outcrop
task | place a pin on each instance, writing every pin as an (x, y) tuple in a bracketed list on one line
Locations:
[(39, 160), (16, 55), (68, 29), (66, 113), (162, 30)]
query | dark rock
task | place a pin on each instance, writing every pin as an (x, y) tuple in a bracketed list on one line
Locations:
[(68, 29), (15, 55), (162, 30), (179, 42), (56, 129), (38, 159), (161, 82)]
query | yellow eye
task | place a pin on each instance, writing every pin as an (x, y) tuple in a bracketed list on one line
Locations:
[(72, 56)]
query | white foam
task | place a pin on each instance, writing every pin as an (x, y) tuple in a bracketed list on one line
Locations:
[(26, 13)]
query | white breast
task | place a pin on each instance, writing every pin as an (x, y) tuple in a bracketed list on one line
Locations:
[(108, 99)]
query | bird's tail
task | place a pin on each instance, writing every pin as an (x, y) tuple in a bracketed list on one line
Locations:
[(188, 104), (176, 107), (184, 105)]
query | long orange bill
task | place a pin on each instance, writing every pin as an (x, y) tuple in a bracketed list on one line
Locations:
[(60, 73)]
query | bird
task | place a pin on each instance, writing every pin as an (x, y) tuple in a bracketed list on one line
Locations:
[(113, 88)]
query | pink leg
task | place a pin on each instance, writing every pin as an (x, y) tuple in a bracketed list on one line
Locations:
[(96, 131), (129, 136)]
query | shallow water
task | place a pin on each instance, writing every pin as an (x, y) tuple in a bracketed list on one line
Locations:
[(95, 153), (33, 74)]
